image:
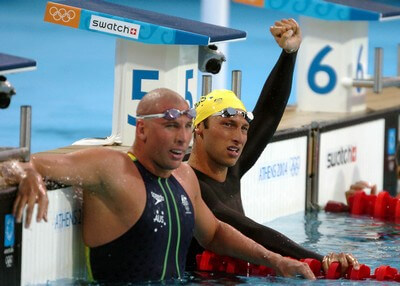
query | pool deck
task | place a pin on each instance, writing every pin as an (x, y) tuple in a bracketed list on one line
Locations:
[(294, 119), (388, 99)]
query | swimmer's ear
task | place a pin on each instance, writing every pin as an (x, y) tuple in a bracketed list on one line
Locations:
[(140, 130), (197, 131)]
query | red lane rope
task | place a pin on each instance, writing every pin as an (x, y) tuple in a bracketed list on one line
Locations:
[(381, 206), (209, 261)]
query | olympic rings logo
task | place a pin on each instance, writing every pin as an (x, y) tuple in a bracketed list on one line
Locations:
[(62, 14)]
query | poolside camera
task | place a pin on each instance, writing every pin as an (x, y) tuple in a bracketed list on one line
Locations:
[(210, 59), (6, 91)]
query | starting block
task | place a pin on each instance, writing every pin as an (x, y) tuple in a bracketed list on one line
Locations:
[(152, 50)]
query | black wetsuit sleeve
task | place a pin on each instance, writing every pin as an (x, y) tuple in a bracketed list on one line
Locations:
[(267, 237), (268, 110)]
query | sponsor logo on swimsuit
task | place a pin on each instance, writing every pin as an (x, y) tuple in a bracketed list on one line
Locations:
[(342, 156), (116, 27), (159, 218), (157, 197), (185, 203), (280, 169)]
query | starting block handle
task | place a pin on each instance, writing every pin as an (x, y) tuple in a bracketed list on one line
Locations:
[(379, 82)]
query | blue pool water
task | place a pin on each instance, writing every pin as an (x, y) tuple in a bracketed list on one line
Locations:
[(373, 242)]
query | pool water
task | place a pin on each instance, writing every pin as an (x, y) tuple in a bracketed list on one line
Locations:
[(373, 242)]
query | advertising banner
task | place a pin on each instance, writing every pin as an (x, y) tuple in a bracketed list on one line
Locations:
[(276, 185), (55, 250), (348, 155)]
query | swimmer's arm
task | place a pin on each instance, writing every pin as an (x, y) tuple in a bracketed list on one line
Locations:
[(30, 184), (267, 237), (287, 34), (223, 239), (80, 168), (274, 95), (268, 111)]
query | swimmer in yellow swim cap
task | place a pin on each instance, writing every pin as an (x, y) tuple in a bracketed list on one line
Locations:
[(227, 143), (220, 102)]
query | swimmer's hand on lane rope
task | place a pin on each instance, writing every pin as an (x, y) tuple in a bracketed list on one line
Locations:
[(360, 185), (345, 260), (289, 267)]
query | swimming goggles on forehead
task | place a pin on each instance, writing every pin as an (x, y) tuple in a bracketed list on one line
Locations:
[(230, 112), (170, 114)]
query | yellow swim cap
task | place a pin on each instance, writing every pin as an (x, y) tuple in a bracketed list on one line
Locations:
[(215, 101)]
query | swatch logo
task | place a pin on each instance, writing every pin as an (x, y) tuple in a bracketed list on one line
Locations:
[(342, 156), (116, 27)]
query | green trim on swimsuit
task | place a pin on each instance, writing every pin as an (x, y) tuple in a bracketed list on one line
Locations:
[(169, 230), (88, 265), (133, 157), (179, 229)]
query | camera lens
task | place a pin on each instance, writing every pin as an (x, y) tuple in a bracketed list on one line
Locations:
[(5, 100), (6, 91), (213, 66)]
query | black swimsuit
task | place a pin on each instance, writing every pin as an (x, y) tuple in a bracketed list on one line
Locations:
[(224, 199), (155, 247)]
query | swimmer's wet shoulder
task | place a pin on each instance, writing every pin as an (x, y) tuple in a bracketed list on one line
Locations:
[(109, 202), (166, 223)]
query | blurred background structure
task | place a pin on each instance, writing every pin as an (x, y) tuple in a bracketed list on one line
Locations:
[(71, 92)]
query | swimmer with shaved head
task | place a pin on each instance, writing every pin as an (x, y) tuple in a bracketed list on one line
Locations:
[(141, 208)]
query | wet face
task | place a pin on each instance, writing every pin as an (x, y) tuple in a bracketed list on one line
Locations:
[(224, 139), (166, 141)]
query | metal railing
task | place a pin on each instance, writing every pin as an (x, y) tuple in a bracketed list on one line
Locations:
[(24, 150), (236, 83), (379, 82)]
